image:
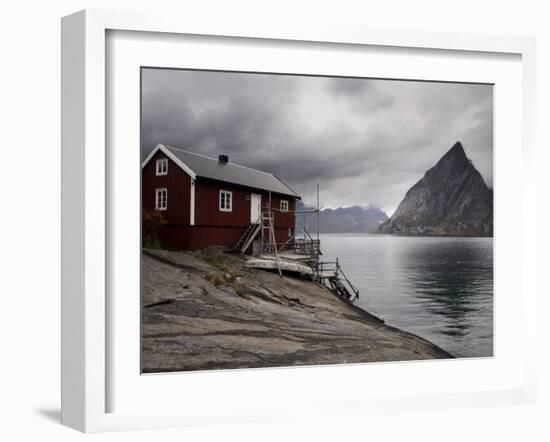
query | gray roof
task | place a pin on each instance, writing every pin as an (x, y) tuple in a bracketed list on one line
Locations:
[(230, 172)]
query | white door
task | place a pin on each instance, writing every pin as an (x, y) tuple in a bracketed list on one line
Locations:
[(255, 207)]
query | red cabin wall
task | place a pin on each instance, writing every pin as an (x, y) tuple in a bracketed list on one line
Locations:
[(207, 212), (212, 226), (176, 236), (215, 227), (204, 236), (178, 184), (176, 233)]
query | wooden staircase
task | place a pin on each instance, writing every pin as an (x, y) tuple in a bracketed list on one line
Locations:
[(338, 282), (246, 239), (339, 288)]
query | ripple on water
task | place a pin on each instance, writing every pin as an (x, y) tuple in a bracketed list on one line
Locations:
[(438, 288)]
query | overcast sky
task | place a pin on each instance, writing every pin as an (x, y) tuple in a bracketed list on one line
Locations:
[(364, 141)]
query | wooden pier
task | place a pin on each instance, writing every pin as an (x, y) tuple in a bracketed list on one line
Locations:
[(331, 273), (300, 255)]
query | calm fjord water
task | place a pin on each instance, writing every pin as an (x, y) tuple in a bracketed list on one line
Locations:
[(438, 288)]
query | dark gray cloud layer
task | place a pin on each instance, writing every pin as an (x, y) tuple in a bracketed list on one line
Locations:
[(365, 141)]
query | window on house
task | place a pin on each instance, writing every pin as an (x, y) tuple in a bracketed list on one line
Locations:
[(226, 201), (161, 199), (284, 206), (162, 166)]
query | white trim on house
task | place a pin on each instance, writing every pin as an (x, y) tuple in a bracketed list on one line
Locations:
[(160, 203), (192, 208), (229, 197), (283, 205), (161, 167), (170, 155)]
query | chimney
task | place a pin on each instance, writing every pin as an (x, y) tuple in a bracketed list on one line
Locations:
[(223, 159)]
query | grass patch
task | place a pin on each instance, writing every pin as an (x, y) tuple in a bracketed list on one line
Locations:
[(230, 273), (215, 279)]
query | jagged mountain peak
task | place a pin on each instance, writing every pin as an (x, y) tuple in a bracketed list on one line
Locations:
[(457, 151), (454, 161), (452, 198)]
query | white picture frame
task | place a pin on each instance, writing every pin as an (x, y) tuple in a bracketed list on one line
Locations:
[(86, 209)]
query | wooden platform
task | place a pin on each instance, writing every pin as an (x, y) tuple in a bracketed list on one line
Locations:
[(326, 274), (269, 262), (291, 256)]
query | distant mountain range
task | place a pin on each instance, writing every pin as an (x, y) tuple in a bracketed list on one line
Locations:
[(451, 199), (354, 219)]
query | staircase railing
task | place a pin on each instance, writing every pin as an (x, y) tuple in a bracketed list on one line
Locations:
[(253, 233), (311, 247), (332, 271), (340, 272), (248, 236)]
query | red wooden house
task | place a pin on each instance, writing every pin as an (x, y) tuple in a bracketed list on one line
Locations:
[(207, 201)]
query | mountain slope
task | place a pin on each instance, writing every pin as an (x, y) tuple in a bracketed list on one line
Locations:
[(451, 199), (354, 219)]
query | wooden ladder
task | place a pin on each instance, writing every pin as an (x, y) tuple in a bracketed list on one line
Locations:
[(269, 242)]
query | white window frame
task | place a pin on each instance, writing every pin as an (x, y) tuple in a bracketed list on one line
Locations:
[(283, 203), (162, 166), (158, 200), (229, 195)]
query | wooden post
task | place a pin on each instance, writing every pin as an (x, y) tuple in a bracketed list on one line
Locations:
[(318, 213), (271, 221)]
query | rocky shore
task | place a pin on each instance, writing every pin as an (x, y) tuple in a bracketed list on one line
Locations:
[(204, 310)]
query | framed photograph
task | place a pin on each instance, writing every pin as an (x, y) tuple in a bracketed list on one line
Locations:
[(269, 223)]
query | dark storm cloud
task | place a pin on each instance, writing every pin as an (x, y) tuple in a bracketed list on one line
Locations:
[(364, 141), (361, 95)]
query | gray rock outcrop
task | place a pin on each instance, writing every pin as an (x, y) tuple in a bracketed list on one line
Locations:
[(451, 199), (205, 310)]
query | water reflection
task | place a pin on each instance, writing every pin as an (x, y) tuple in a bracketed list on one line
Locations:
[(439, 288)]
